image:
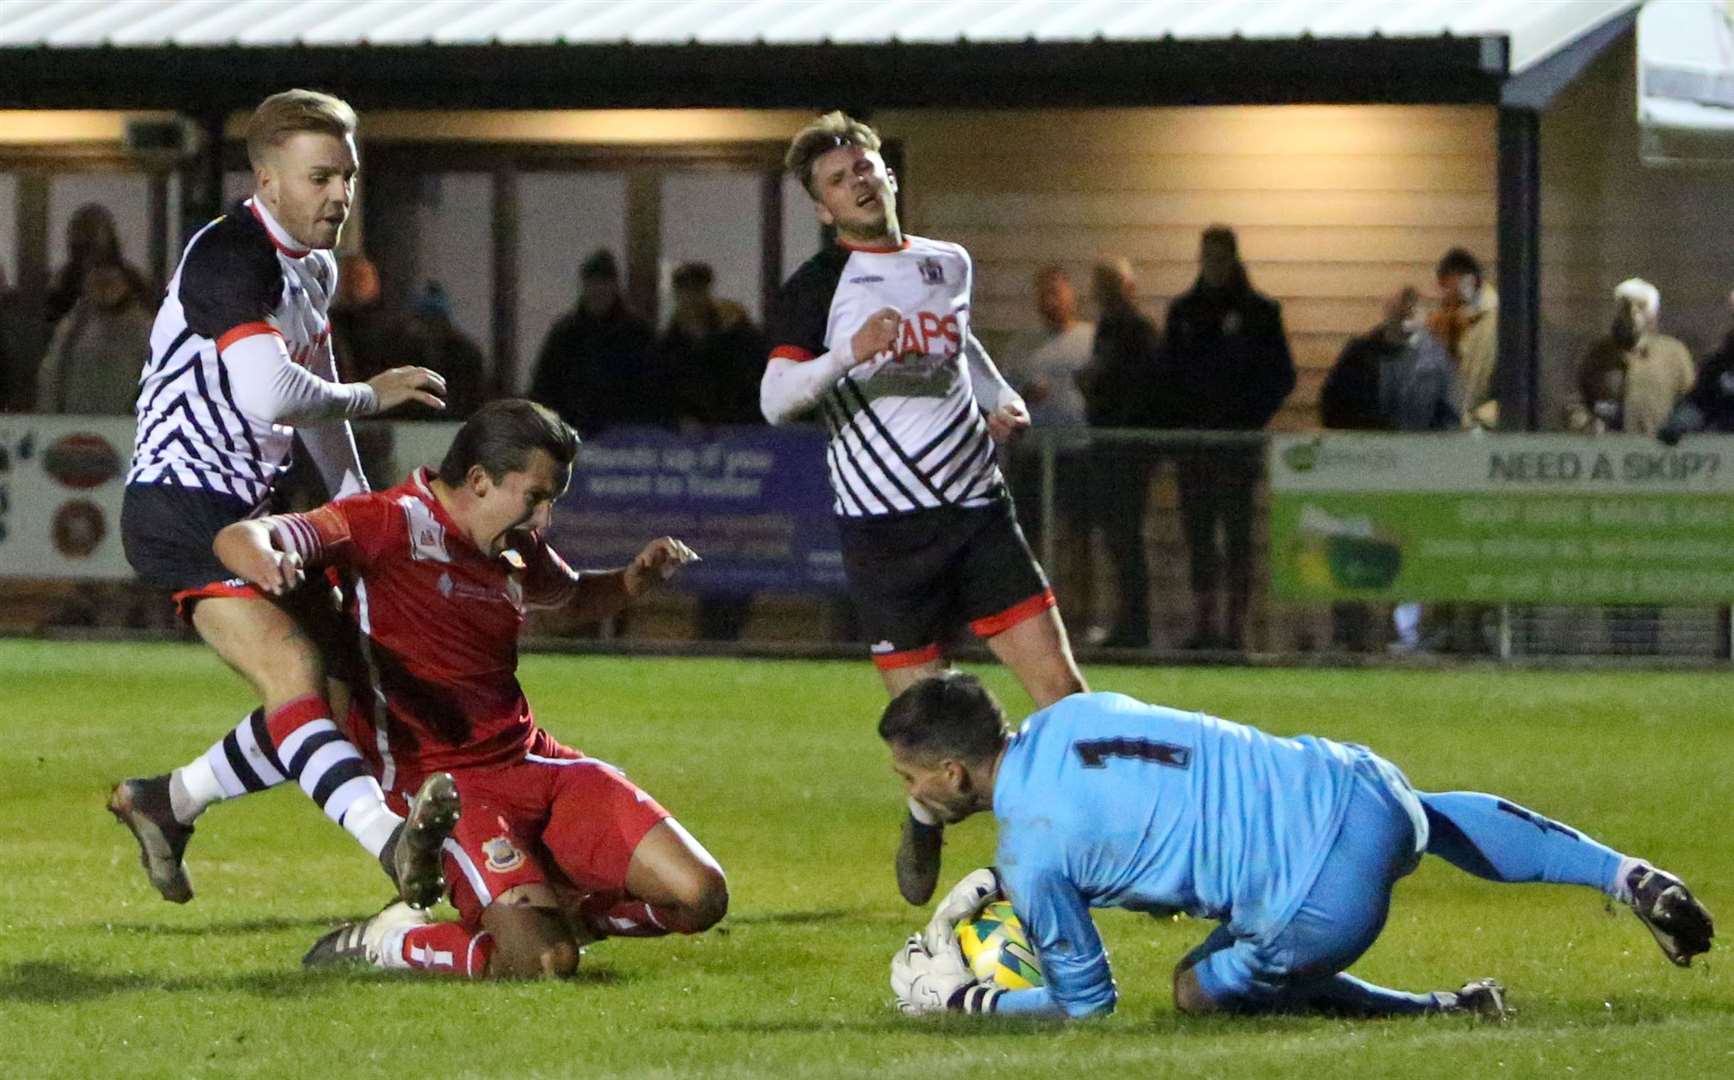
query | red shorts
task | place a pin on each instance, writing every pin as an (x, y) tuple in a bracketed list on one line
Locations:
[(557, 816)]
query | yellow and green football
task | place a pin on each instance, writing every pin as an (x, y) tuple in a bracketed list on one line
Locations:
[(996, 949)]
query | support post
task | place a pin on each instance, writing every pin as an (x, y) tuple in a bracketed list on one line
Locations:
[(1518, 376)]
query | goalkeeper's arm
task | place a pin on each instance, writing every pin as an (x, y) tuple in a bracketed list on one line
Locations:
[(1078, 982)]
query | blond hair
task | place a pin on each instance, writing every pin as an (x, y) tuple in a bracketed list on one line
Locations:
[(823, 135), (282, 115)]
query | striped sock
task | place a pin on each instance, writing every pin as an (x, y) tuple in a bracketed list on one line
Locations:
[(443, 948), (241, 762), (331, 771)]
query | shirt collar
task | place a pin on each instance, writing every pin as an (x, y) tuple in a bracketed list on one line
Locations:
[(279, 235)]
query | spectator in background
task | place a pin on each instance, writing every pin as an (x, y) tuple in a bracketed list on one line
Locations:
[(593, 366), (1418, 392), (1467, 322), (367, 337), (1630, 380), (1350, 401), (711, 355), (1226, 367), (91, 240), (1045, 367), (17, 356), (94, 359), (711, 359), (434, 342), (1632, 377), (1710, 404), (1119, 386)]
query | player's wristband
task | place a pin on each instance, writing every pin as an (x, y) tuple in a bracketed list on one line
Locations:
[(975, 998)]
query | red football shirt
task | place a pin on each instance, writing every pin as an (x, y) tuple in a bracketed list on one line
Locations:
[(439, 622)]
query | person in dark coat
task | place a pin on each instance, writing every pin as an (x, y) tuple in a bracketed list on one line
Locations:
[(1119, 386), (1226, 367), (1709, 405), (711, 354), (594, 366)]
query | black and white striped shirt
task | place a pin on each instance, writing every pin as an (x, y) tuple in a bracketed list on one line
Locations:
[(239, 277), (906, 430)]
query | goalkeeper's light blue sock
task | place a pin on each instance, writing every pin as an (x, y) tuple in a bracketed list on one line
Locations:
[(1498, 840), (1343, 993)]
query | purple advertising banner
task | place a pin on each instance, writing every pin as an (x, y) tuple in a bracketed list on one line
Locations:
[(755, 503)]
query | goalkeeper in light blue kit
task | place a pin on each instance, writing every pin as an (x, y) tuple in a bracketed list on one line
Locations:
[(1293, 845)]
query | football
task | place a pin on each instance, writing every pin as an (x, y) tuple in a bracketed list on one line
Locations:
[(996, 949)]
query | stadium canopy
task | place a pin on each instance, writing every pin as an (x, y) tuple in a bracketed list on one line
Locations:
[(1686, 81), (210, 58), (779, 53)]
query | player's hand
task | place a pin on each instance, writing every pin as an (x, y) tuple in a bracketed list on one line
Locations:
[(659, 561), (925, 982), (400, 384), (275, 572), (1008, 421), (965, 899), (878, 334)]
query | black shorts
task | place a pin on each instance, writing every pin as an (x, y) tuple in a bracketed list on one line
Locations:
[(167, 532), (918, 577)]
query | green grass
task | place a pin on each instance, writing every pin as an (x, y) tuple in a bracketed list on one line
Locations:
[(775, 768)]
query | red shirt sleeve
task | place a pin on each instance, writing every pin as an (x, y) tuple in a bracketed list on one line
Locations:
[(548, 581), (348, 532)]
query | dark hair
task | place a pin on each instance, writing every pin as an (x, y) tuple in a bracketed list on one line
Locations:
[(1224, 235), (600, 264), (693, 275), (501, 436), (1459, 261), (945, 716), (820, 137)]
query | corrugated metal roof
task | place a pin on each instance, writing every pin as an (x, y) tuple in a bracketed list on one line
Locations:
[(1535, 27)]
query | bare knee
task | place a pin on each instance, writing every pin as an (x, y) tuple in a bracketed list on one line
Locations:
[(529, 943), (704, 899)]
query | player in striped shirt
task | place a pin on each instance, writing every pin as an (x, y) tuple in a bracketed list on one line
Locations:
[(872, 337), (446, 565), (241, 367)]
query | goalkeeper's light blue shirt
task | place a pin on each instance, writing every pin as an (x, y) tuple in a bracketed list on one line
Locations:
[(1104, 801)]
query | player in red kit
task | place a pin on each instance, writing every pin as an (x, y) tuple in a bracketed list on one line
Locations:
[(553, 847)]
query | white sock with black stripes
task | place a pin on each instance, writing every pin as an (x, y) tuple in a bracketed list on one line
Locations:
[(331, 771), (241, 762)]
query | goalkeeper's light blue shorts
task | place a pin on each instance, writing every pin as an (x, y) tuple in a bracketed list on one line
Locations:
[(1384, 830)]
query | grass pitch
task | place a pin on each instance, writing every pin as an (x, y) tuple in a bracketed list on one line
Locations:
[(774, 766)]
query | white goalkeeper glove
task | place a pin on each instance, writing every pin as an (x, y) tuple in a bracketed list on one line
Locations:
[(974, 892), (927, 983)]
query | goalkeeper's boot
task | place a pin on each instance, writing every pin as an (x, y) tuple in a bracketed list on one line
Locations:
[(1681, 925), (142, 805), (1484, 998), (359, 944), (412, 855), (918, 860)]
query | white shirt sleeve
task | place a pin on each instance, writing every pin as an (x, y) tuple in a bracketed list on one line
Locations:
[(991, 389), (791, 388), (270, 387)]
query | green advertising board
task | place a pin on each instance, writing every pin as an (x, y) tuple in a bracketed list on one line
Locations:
[(1556, 519)]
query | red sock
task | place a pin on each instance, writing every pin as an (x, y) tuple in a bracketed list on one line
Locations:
[(614, 915), (287, 719), (445, 948)]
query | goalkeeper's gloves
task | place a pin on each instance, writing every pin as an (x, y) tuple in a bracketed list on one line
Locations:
[(930, 983), (974, 892)]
